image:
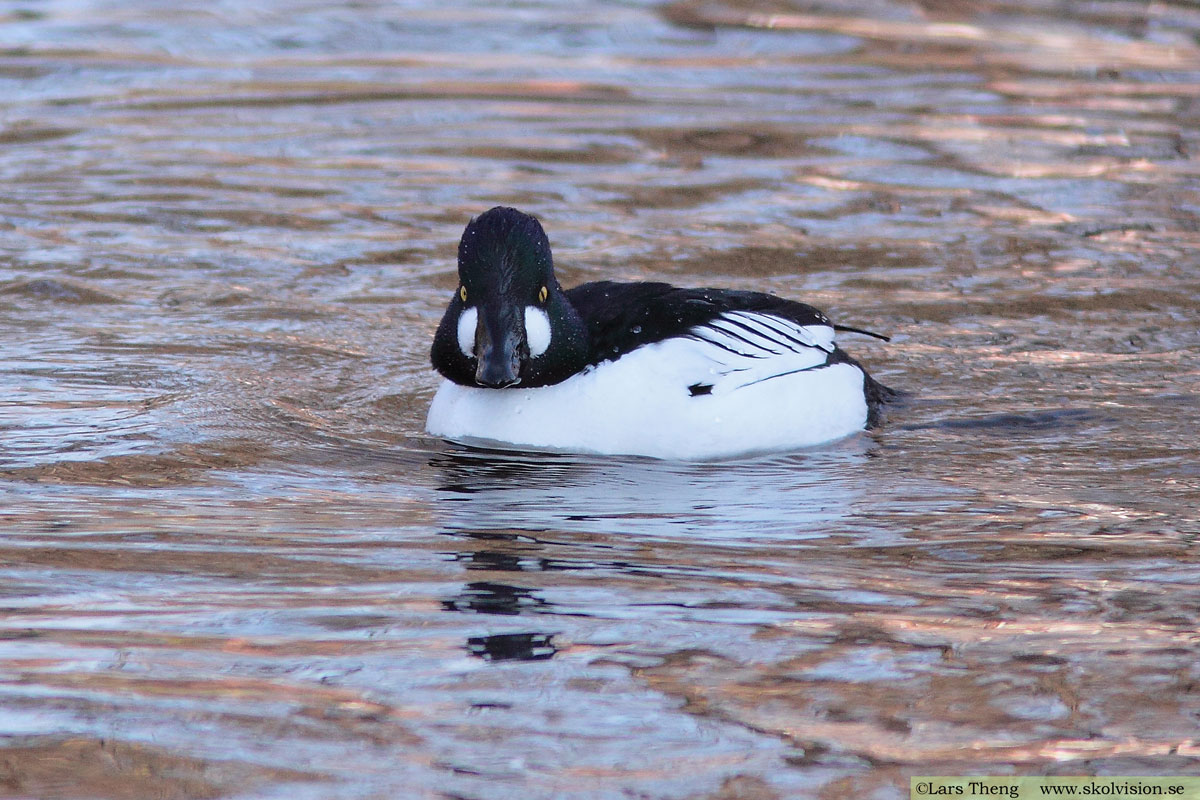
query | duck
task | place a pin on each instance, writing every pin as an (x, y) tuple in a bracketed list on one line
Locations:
[(633, 369)]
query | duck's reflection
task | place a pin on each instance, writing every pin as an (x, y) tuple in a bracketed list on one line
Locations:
[(499, 561), (795, 496), (513, 646), (495, 561), (485, 597), (528, 513)]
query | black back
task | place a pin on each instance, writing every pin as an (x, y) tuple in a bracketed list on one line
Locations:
[(621, 317)]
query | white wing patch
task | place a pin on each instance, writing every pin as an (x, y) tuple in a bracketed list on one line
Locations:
[(763, 335), (743, 348)]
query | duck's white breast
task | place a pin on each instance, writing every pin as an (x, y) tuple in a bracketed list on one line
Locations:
[(641, 404)]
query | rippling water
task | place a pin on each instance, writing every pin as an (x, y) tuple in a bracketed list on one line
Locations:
[(232, 564)]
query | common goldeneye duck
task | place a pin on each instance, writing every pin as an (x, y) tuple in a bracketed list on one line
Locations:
[(632, 368)]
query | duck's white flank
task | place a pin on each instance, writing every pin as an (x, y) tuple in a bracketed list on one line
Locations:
[(768, 393)]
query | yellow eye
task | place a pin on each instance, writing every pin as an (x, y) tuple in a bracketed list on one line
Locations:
[(462, 293), (542, 295)]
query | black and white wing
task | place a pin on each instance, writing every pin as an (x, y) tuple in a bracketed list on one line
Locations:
[(749, 347)]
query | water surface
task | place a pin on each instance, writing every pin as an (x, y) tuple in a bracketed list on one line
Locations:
[(232, 564)]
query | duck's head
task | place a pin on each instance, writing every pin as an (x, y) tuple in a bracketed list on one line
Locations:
[(509, 323)]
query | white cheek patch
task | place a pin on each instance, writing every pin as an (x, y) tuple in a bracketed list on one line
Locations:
[(466, 331), (537, 330)]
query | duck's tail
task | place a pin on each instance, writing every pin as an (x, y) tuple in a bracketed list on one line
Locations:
[(872, 334), (878, 396)]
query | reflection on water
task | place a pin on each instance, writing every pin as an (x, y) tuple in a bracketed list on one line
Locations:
[(509, 646), (774, 500), (233, 565)]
